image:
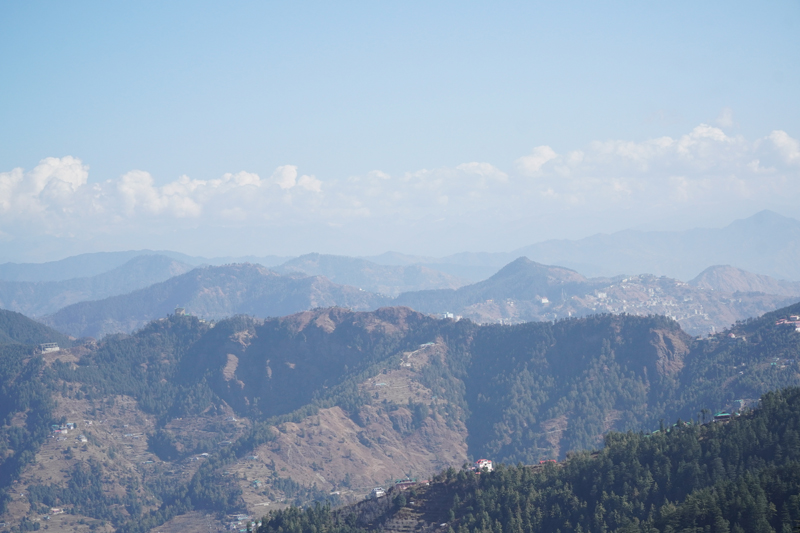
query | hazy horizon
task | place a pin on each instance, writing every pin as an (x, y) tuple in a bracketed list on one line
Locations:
[(358, 129)]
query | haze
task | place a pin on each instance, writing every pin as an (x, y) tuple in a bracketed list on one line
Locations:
[(357, 128)]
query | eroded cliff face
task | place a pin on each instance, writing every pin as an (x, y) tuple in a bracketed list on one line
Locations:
[(671, 347)]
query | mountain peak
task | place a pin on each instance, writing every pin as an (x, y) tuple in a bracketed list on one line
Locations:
[(727, 278), (765, 219), (524, 266)]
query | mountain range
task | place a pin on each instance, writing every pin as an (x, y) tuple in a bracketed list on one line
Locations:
[(388, 280), (242, 416), (525, 291), (521, 291), (211, 293), (36, 298), (91, 264), (766, 243), (729, 279), (325, 376)]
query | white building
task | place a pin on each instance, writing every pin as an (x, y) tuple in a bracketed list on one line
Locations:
[(484, 464)]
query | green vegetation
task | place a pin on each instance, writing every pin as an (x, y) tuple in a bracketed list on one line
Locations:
[(26, 410), (517, 386), (283, 368), (143, 366), (84, 491), (525, 393), (16, 328), (722, 369), (735, 477)]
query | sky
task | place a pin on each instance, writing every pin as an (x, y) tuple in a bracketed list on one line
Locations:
[(257, 128)]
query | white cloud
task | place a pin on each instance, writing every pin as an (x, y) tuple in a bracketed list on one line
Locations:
[(702, 170), (137, 190), (788, 148), (310, 183), (285, 177), (703, 166), (379, 175), (484, 170), (49, 186), (247, 178), (532, 164)]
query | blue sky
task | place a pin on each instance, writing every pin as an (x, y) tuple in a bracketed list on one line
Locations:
[(355, 128)]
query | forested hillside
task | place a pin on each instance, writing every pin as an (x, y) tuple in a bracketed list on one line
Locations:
[(337, 401), (26, 412), (26, 403), (741, 476), (16, 328)]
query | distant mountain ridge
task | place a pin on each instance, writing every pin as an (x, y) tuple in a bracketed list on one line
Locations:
[(522, 291), (364, 274), (211, 292), (766, 243), (40, 298), (525, 290), (95, 263), (515, 291), (730, 279), (522, 279)]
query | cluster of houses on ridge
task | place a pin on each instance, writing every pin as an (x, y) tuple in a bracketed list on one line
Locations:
[(242, 522), (62, 428), (792, 321), (59, 430), (481, 465)]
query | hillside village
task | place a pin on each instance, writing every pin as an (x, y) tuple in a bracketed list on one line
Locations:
[(699, 311)]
